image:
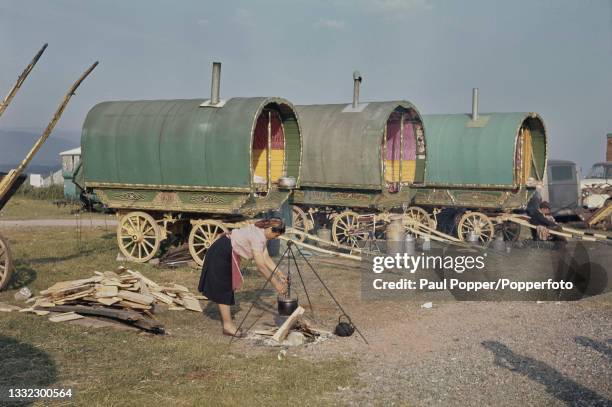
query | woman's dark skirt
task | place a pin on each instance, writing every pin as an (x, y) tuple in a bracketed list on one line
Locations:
[(216, 278)]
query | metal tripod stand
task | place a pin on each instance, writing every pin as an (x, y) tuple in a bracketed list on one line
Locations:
[(289, 254)]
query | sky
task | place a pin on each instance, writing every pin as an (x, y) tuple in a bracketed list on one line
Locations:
[(553, 57)]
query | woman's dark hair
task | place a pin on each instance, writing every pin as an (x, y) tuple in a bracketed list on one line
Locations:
[(277, 225)]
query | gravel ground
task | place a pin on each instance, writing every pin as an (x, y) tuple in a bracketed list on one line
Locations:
[(489, 354), (468, 353)]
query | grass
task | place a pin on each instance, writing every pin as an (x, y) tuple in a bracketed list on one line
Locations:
[(50, 193), (192, 365), (21, 207)]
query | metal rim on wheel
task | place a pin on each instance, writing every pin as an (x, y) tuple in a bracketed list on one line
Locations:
[(202, 236), (477, 222), (348, 230), (300, 222), (511, 231), (6, 263), (138, 236), (419, 215)]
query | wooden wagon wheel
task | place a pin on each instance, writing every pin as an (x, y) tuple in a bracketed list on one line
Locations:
[(348, 230), (300, 222), (510, 230), (138, 236), (478, 223), (419, 215), (202, 236), (6, 263)]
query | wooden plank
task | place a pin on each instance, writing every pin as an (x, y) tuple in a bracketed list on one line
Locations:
[(192, 304), (283, 331), (128, 316), (175, 289), (108, 301), (103, 291), (8, 307), (162, 297), (135, 297), (111, 282), (67, 316), (133, 305), (42, 302), (71, 284), (150, 283), (265, 332), (65, 290), (144, 289)]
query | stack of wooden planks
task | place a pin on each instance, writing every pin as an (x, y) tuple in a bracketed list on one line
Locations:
[(124, 295), (122, 289)]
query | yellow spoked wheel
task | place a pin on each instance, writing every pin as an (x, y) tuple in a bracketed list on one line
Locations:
[(138, 236), (420, 215), (478, 223), (6, 263), (300, 222), (349, 230), (202, 236)]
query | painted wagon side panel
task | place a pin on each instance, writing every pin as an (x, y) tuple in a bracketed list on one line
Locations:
[(177, 144), (342, 149), (477, 154), (209, 146)]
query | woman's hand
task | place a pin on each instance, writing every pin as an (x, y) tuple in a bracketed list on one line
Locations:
[(281, 277), (281, 286)]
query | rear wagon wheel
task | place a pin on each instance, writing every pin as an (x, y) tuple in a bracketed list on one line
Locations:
[(477, 222), (138, 236), (300, 222), (202, 236), (511, 231), (419, 215), (348, 230), (6, 263)]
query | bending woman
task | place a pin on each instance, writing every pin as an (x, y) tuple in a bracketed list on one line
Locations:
[(221, 273)]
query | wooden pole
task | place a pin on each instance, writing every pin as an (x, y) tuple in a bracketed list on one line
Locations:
[(318, 249), (7, 181), (326, 242), (20, 80)]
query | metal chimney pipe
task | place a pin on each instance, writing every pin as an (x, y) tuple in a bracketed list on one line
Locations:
[(475, 104), (356, 82), (216, 83)]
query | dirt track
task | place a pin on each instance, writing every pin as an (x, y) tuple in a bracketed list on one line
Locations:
[(85, 222)]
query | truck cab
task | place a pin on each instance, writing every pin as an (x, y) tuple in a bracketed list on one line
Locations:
[(562, 187)]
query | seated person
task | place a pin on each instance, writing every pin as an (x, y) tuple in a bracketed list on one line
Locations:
[(541, 218)]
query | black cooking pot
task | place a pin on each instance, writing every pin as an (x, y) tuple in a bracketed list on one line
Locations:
[(286, 306)]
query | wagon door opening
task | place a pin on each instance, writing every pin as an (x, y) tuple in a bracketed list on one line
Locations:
[(268, 152), (399, 149), (530, 153)]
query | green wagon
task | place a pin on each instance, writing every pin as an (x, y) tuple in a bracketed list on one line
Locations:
[(486, 164), (360, 161), (186, 168)]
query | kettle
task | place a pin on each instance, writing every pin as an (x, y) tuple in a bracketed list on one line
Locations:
[(344, 328)]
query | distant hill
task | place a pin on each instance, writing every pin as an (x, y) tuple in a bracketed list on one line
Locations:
[(15, 144)]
